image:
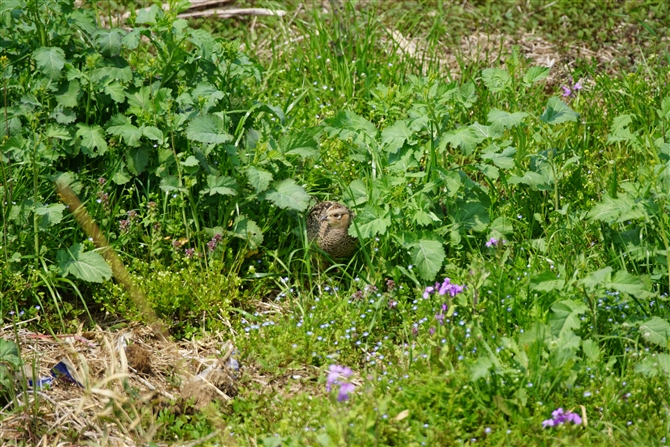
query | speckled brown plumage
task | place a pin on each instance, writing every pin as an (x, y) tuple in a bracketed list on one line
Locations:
[(328, 225)]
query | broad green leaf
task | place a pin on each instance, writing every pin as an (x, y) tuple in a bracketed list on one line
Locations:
[(302, 144), (287, 194), (50, 214), (394, 136), (223, 185), (503, 225), (153, 133), (489, 171), (50, 61), (482, 131), (147, 15), (535, 74), (59, 113), (372, 221), (258, 178), (565, 317), (529, 178), (9, 353), (502, 159), (346, 125), (480, 369), (92, 139), (121, 176), (495, 79), (630, 284), (109, 41), (208, 129), (591, 350), (620, 131), (137, 159), (621, 209), (658, 365), (427, 255), (505, 119), (472, 216), (121, 126), (87, 266), (464, 138), (597, 278), (57, 132), (68, 94), (171, 184), (357, 193), (558, 112), (116, 91), (247, 229), (656, 330), (546, 282)]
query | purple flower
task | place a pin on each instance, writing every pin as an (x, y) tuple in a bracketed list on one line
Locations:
[(337, 372), (102, 181), (393, 304), (189, 252), (124, 225), (492, 242), (428, 291), (577, 86), (571, 91), (443, 289), (132, 214), (390, 285), (561, 417), (440, 318), (567, 91), (431, 331), (345, 389)]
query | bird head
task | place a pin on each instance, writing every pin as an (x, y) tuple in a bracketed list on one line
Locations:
[(338, 216)]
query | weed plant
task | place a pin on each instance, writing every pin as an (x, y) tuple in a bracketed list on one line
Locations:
[(513, 226)]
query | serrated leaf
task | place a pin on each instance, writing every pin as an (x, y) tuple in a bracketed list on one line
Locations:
[(565, 317), (68, 93), (558, 112), (489, 171), (122, 127), (546, 282), (482, 131), (620, 130), (472, 216), (395, 136), (121, 177), (258, 178), (87, 266), (529, 178), (597, 278), (116, 91), (503, 225), (153, 133), (591, 350), (287, 194), (503, 160), (109, 41), (50, 61), (357, 192), (137, 159), (147, 15), (495, 79), (656, 331), (427, 255), (57, 132), (223, 185), (480, 369), (535, 74), (463, 137), (621, 209), (628, 283), (371, 221), (50, 214), (247, 229), (505, 119), (208, 129), (171, 184), (301, 144), (92, 139)]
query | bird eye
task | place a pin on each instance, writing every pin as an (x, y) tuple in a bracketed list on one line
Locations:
[(337, 216)]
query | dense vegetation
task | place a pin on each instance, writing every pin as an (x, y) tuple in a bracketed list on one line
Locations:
[(513, 217)]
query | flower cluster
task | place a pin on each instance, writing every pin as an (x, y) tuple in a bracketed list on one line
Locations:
[(443, 289), (561, 417), (211, 245), (570, 91), (335, 375)]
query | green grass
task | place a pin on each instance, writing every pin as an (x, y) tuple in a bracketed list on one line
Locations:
[(198, 160)]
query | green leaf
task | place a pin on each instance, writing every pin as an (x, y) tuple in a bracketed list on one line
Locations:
[(558, 112), (68, 94), (620, 130), (427, 255), (137, 159), (208, 129), (463, 137), (529, 178), (50, 61), (628, 283), (656, 331), (247, 229), (171, 184), (346, 125), (121, 126), (50, 214), (357, 192), (109, 41), (147, 15), (258, 178), (621, 209), (658, 365), (116, 91), (121, 176), (480, 369), (287, 194), (472, 216), (503, 159), (395, 136), (503, 225), (372, 221), (153, 133), (565, 318), (495, 79), (597, 278), (87, 266), (535, 74), (505, 119), (224, 185), (483, 132), (591, 350), (92, 139), (301, 144), (546, 282)]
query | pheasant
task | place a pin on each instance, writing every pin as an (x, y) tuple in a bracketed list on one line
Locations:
[(327, 226)]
